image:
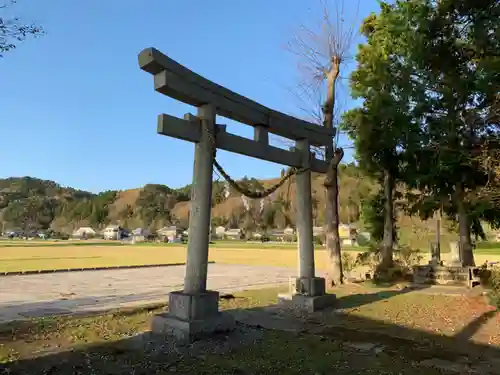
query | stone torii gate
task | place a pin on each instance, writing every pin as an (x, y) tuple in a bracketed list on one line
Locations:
[(194, 311)]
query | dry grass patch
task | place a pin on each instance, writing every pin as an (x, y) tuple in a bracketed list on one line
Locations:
[(107, 345), (469, 318), (55, 257), (86, 254)]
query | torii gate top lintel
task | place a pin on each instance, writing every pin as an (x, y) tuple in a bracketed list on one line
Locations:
[(178, 82)]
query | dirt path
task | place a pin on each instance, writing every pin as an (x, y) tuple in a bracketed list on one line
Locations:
[(79, 292)]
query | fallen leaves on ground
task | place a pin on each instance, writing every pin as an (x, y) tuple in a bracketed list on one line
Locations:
[(466, 317)]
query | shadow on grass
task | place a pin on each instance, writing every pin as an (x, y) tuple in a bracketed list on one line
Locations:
[(357, 300), (26, 329), (470, 329), (258, 346)]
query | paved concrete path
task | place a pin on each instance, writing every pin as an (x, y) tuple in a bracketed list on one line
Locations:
[(32, 296)]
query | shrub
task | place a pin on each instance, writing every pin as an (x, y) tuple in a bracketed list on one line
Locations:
[(369, 258), (487, 245), (407, 257), (265, 238), (494, 283), (404, 260), (362, 240), (348, 262)]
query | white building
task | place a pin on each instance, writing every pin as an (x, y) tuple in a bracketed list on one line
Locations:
[(234, 234), (84, 232), (220, 231), (114, 232)]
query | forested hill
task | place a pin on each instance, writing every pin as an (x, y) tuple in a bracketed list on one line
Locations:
[(29, 203), (32, 204)]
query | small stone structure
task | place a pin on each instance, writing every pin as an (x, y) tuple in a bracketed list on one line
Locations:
[(444, 275), (193, 311), (452, 274)]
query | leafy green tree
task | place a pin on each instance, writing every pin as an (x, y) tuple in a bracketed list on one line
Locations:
[(268, 217), (432, 65), (154, 203), (457, 62), (382, 128)]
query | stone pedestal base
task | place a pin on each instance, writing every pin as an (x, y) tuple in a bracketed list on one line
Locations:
[(307, 286), (435, 263), (192, 316), (308, 294), (308, 303)]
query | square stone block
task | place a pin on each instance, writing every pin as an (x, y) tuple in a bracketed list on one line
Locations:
[(186, 331), (314, 286), (308, 303), (193, 306)]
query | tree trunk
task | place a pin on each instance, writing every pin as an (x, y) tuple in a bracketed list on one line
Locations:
[(335, 274), (334, 155), (388, 240), (465, 243)]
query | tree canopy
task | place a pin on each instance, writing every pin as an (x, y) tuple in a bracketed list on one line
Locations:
[(428, 77)]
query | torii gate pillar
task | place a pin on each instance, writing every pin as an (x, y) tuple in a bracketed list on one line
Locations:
[(194, 311), (307, 292)]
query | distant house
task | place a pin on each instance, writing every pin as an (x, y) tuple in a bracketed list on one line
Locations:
[(84, 232), (318, 231), (284, 235), (347, 233), (234, 234), (220, 232), (172, 233), (139, 235), (139, 232), (257, 235), (114, 232)]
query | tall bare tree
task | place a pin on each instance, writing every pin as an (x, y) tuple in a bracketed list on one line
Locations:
[(322, 52), (13, 30)]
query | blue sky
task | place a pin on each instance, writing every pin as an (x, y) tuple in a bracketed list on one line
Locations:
[(77, 109)]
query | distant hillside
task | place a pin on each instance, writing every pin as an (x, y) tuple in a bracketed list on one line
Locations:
[(32, 204)]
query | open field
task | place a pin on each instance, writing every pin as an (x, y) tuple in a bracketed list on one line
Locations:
[(483, 248), (374, 331), (218, 244), (27, 257)]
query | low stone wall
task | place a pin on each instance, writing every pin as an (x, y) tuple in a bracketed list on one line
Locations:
[(443, 275)]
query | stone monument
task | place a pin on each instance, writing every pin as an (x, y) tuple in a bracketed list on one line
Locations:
[(455, 255), (435, 255)]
